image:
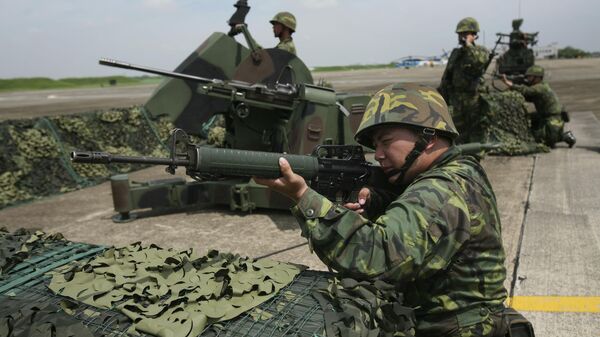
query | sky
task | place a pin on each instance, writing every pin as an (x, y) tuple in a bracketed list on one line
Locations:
[(65, 38)]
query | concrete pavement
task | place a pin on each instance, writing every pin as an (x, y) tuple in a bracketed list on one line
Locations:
[(558, 268)]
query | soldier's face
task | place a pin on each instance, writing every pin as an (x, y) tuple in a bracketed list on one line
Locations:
[(277, 28), (531, 80), (392, 145)]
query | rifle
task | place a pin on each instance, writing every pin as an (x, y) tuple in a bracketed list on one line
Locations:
[(238, 17), (335, 171), (493, 53)]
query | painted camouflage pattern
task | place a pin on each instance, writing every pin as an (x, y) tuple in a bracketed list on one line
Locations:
[(409, 104), (439, 242), (546, 124), (461, 85)]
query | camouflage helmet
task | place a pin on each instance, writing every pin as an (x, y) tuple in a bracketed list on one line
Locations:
[(285, 18), (412, 105), (467, 25), (535, 70)]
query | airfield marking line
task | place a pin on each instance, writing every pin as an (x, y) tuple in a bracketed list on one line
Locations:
[(589, 304)]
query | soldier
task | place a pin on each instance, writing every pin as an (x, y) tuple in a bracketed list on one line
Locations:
[(438, 240), (462, 80), (547, 123), (284, 25)]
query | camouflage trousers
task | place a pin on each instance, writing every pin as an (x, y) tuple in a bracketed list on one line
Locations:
[(547, 130), (466, 114), (477, 322)]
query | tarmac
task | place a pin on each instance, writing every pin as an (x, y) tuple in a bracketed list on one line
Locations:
[(549, 205)]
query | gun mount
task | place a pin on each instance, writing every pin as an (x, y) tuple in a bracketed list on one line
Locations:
[(267, 102), (519, 56)]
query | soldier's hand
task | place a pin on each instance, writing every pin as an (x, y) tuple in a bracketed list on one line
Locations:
[(239, 27), (290, 184), (364, 195), (506, 81)]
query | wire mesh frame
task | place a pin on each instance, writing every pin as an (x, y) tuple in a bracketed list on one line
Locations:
[(292, 312)]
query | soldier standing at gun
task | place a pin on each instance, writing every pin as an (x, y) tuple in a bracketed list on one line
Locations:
[(462, 81), (549, 120), (438, 240), (284, 25)]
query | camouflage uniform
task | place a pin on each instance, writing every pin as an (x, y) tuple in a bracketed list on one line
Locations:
[(547, 124), (461, 85), (439, 241), (287, 45), (288, 20), (285, 18)]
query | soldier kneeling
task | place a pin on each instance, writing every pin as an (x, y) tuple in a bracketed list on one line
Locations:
[(549, 120)]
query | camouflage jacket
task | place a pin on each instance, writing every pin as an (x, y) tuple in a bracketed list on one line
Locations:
[(464, 70), (287, 45), (439, 242), (542, 96)]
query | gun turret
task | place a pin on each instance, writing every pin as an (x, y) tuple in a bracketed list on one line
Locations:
[(280, 97)]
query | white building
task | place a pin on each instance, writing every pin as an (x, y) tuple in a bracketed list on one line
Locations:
[(546, 52)]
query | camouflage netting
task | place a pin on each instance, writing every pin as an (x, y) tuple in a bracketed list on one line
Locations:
[(507, 122), (34, 156)]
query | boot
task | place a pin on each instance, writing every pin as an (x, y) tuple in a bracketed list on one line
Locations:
[(569, 138)]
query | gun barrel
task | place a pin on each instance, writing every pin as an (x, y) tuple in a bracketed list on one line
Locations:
[(89, 157), (125, 65), (475, 148), (232, 162)]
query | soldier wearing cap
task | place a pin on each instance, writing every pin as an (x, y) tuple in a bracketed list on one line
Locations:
[(438, 238), (548, 122), (462, 80)]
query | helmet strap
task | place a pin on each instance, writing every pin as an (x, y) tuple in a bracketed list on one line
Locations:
[(420, 145)]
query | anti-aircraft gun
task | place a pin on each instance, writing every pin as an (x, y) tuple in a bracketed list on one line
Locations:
[(519, 56), (268, 102)]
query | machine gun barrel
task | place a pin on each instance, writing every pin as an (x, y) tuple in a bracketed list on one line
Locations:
[(129, 66)]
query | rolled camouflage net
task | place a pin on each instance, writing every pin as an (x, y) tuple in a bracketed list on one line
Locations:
[(506, 121), (34, 153)]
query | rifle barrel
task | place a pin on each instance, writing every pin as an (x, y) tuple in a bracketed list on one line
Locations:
[(90, 157)]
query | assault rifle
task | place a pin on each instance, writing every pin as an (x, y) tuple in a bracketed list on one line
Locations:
[(335, 171)]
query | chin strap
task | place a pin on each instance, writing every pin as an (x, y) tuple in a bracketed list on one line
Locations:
[(425, 138)]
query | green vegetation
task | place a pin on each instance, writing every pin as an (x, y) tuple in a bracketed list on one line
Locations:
[(41, 83), (572, 53), (354, 67)]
